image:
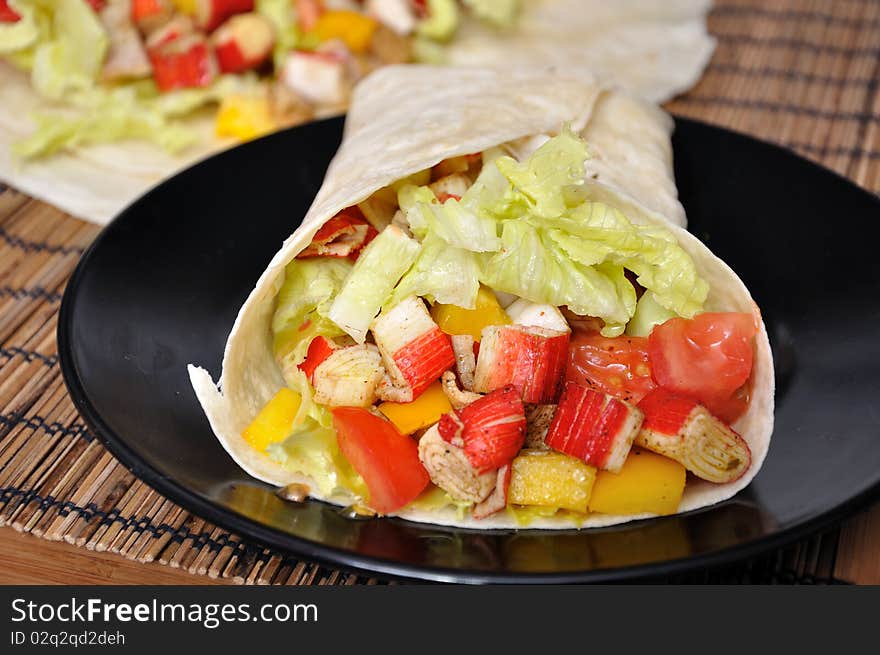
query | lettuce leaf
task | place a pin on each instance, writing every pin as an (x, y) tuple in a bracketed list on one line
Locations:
[(119, 116), (531, 267), (537, 234), (441, 21), (501, 13), (70, 56), (649, 314), (283, 18), (129, 111), (301, 308), (542, 178), (314, 451), (21, 35), (441, 273), (370, 283), (454, 223)]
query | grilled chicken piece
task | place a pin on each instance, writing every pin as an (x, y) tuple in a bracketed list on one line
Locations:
[(391, 392), (387, 47), (465, 360), (289, 107), (538, 419), (497, 500), (451, 186), (396, 16), (683, 430), (449, 469), (400, 220), (126, 57), (457, 397), (319, 77), (349, 377)]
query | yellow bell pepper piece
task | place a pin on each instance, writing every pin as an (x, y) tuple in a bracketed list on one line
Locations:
[(274, 421), (353, 28), (420, 413), (186, 6), (244, 117), (647, 483), (455, 320), (550, 479)]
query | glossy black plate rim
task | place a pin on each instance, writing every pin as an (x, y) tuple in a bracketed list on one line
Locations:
[(327, 555)]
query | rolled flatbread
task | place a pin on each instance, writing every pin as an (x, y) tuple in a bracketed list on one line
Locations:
[(406, 119)]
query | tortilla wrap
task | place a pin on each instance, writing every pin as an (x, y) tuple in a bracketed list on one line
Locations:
[(405, 119), (655, 49)]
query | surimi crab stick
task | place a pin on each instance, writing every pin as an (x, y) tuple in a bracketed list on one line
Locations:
[(211, 13), (344, 235), (150, 14), (183, 63), (415, 351), (530, 358), (319, 349), (491, 430), (593, 427), (684, 430), (243, 42)]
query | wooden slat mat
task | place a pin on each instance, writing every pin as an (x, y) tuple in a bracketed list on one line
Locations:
[(799, 73)]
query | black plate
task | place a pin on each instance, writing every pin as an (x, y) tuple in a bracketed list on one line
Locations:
[(162, 284)]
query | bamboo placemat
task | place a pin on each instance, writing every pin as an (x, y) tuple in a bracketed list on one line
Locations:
[(798, 73)]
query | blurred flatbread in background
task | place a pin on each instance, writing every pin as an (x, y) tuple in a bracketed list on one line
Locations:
[(656, 49), (93, 183)]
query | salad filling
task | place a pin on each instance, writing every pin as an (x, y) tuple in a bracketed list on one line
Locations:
[(490, 334), (131, 69)]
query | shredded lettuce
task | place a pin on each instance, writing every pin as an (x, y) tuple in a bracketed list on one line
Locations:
[(69, 54), (501, 13), (129, 111), (314, 451), (534, 232), (21, 35), (118, 116), (64, 44), (542, 178), (301, 308), (282, 15), (441, 273), (375, 274), (441, 21), (649, 314), (451, 221), (529, 266)]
